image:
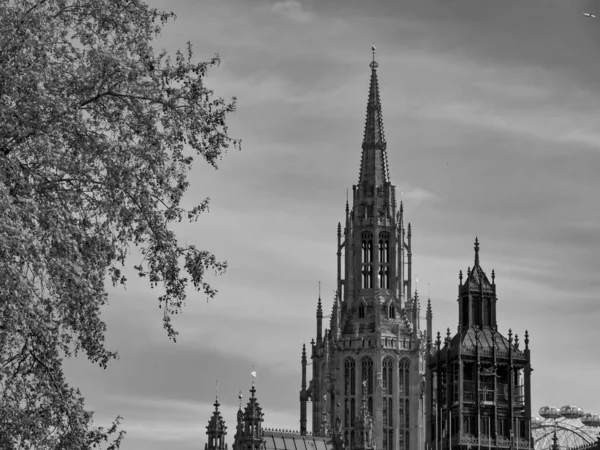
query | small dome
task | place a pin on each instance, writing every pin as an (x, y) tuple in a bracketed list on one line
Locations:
[(535, 420), (549, 412), (571, 412), (591, 420)]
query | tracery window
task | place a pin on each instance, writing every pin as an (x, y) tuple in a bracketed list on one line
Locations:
[(403, 403), (388, 391), (349, 392), (384, 260)]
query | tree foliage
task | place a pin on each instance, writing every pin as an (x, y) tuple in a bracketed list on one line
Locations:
[(97, 134)]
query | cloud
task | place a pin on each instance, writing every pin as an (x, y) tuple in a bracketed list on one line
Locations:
[(417, 196), (292, 10)]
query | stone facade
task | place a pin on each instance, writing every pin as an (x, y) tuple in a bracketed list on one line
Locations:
[(374, 350)]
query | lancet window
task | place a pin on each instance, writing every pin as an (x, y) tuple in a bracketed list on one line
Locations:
[(388, 411), (367, 260), (349, 392), (403, 403), (384, 260)]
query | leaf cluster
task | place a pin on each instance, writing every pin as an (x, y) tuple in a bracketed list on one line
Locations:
[(98, 132)]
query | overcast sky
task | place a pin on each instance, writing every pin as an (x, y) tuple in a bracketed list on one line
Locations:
[(492, 118)]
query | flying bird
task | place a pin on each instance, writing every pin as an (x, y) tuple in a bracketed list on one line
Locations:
[(591, 16)]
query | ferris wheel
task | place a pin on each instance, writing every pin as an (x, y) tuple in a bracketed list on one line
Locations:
[(572, 426)]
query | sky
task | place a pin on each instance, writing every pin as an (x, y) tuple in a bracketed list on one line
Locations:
[(491, 112)]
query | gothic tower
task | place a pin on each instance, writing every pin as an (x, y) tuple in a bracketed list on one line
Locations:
[(216, 431), (374, 331), (479, 382)]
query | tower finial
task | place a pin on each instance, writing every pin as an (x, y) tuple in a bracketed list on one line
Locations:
[(217, 391), (319, 290), (476, 251), (374, 64), (253, 373)]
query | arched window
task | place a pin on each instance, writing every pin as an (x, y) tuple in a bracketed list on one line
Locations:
[(361, 310), (367, 247), (391, 311), (367, 260), (384, 247), (384, 260), (403, 403), (349, 391), (388, 391)]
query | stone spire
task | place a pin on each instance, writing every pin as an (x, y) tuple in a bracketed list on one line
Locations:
[(374, 167)]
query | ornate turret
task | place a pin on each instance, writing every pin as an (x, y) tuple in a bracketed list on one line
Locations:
[(239, 428), (216, 430), (249, 436), (481, 381), (477, 297)]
